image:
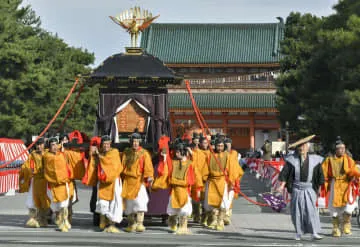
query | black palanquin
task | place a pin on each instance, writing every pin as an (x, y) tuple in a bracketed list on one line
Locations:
[(139, 76)]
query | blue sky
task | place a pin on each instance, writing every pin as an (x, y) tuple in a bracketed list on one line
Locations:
[(85, 23)]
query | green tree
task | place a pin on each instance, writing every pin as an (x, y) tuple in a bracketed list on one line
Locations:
[(320, 75), (37, 69), (297, 48)]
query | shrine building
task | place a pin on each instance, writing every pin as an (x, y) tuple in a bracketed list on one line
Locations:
[(231, 69)]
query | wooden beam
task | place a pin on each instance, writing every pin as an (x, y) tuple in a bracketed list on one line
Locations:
[(267, 126)]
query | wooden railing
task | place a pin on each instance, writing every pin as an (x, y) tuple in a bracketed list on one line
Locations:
[(259, 80)]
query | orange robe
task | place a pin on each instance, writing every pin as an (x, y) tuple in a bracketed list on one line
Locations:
[(216, 177), (234, 157), (163, 165), (76, 160), (25, 176), (59, 173), (206, 153), (180, 178), (33, 169), (342, 169), (138, 168), (199, 162), (105, 170)]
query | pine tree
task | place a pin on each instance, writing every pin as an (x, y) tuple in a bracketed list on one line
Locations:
[(320, 75), (37, 69)]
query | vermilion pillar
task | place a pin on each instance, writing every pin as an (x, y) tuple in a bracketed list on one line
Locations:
[(252, 131)]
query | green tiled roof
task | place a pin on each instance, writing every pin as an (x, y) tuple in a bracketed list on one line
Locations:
[(223, 100), (214, 43)]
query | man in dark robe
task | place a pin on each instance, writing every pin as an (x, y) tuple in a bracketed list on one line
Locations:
[(302, 176)]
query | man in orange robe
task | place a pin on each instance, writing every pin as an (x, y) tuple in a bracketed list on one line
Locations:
[(233, 194), (180, 177), (204, 149), (32, 180), (339, 171), (77, 167), (199, 161), (138, 173), (59, 173), (222, 174), (104, 171)]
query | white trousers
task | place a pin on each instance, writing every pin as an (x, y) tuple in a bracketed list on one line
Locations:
[(56, 206), (139, 204), (338, 211), (186, 210), (227, 199), (30, 204), (113, 210)]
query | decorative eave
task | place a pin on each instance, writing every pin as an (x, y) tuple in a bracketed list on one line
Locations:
[(133, 81), (133, 68), (177, 109)]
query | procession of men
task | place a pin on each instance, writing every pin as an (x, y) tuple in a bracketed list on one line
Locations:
[(203, 181)]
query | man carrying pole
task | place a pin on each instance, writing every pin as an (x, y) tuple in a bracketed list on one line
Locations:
[(104, 171), (32, 180), (138, 174), (179, 176), (198, 161), (234, 159), (59, 173), (222, 173)]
